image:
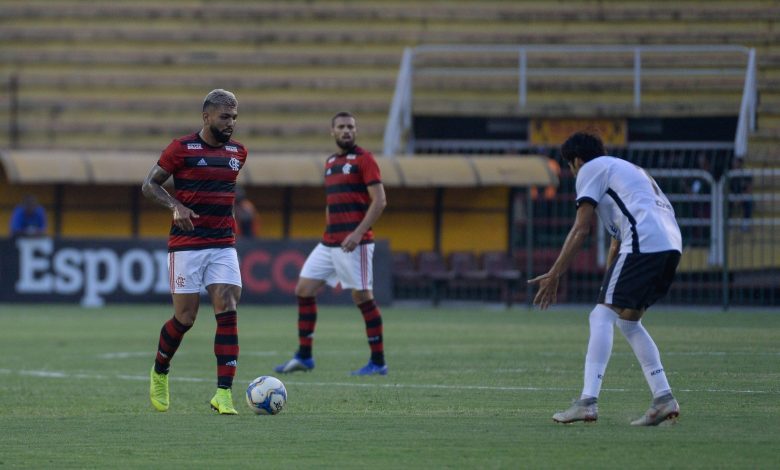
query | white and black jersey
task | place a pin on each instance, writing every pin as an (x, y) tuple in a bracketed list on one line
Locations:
[(630, 204)]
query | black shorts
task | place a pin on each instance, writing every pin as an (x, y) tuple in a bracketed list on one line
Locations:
[(638, 280)]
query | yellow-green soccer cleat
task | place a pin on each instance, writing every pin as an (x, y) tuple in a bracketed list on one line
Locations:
[(222, 402), (158, 391)]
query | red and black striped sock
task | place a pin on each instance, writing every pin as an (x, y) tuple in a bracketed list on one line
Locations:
[(373, 320), (307, 320), (171, 335), (226, 347)]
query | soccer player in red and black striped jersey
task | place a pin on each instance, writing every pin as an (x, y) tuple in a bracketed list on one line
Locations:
[(355, 200), (201, 251)]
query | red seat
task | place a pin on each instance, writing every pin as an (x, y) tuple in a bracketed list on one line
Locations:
[(500, 266), (431, 265), (463, 265), (433, 268), (403, 266)]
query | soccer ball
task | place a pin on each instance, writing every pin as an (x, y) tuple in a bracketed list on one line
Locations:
[(266, 395)]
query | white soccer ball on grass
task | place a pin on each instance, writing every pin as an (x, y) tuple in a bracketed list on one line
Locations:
[(266, 395)]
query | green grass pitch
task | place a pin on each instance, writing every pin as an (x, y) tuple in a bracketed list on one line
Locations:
[(469, 387)]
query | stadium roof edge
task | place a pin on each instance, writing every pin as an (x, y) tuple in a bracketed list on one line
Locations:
[(129, 168)]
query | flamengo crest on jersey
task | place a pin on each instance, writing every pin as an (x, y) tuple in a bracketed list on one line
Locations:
[(630, 204), (204, 178), (347, 178)]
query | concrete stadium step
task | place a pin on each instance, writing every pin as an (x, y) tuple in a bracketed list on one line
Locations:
[(258, 145), (763, 151), (90, 80), (340, 32), (451, 10), (249, 127), (380, 79), (342, 56), (185, 105)]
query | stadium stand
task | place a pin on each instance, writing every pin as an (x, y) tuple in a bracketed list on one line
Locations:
[(122, 76)]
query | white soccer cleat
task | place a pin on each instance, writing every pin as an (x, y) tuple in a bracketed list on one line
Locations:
[(663, 409), (581, 410)]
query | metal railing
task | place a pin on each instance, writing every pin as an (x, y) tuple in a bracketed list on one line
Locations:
[(747, 108), (399, 120)]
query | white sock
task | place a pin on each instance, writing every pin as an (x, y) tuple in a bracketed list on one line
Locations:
[(602, 329), (647, 353)]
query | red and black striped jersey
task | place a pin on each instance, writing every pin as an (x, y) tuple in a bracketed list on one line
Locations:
[(347, 178), (205, 179)]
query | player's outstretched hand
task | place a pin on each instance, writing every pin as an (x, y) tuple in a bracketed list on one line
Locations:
[(548, 290)]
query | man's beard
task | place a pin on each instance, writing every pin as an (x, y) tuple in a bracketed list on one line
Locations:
[(345, 145), (218, 135)]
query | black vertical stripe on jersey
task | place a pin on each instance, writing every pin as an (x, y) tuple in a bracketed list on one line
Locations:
[(346, 188), (631, 219), (203, 232), (347, 207), (213, 186)]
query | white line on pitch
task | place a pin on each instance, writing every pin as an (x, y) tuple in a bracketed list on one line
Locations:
[(132, 354), (673, 353), (65, 375)]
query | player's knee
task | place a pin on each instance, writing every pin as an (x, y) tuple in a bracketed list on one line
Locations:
[(305, 290), (224, 297), (186, 317), (631, 314), (360, 296)]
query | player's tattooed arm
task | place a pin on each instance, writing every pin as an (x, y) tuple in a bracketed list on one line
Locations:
[(152, 189)]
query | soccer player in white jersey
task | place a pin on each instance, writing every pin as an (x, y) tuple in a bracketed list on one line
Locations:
[(643, 257)]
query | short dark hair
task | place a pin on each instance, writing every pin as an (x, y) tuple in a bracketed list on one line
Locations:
[(582, 145), (340, 114), (220, 97)]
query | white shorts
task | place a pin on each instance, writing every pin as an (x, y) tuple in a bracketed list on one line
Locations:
[(191, 270), (354, 270)]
